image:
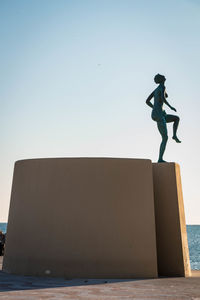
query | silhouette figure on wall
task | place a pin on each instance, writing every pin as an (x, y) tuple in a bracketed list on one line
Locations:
[(160, 116)]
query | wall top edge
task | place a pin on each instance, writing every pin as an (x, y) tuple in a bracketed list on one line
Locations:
[(166, 164), (82, 158)]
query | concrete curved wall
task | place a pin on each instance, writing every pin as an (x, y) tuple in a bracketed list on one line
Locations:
[(82, 218)]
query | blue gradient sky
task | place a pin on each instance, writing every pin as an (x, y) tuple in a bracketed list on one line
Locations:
[(75, 75)]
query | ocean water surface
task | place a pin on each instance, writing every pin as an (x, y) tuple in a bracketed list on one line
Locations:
[(193, 232)]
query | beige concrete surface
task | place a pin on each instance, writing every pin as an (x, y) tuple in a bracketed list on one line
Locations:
[(31, 288), (195, 273), (172, 244), (82, 218)]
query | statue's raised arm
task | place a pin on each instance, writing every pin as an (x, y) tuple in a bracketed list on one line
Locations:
[(148, 101)]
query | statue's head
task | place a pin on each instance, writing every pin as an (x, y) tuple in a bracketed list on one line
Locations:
[(159, 78)]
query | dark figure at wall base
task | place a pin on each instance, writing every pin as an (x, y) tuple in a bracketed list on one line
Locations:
[(160, 116), (2, 243)]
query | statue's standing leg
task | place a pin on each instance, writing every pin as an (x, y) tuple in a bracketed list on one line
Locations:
[(162, 127)]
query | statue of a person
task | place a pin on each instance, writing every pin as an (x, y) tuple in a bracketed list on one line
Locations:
[(160, 116)]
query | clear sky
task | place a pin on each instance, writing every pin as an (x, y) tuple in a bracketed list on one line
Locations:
[(75, 75)]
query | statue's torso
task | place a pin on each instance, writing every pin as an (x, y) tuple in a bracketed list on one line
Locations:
[(158, 113)]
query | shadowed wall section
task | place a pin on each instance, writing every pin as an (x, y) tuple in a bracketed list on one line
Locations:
[(82, 218), (172, 244)]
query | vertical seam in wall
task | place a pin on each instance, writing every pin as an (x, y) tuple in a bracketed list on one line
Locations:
[(154, 211)]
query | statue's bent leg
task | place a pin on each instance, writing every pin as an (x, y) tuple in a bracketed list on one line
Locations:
[(162, 127), (175, 119)]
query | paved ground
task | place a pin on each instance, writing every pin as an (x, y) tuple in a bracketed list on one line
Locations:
[(31, 288)]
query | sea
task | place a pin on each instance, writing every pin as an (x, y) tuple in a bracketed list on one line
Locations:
[(193, 232)]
